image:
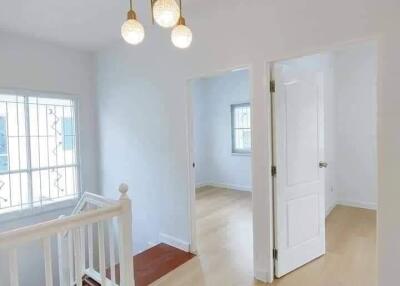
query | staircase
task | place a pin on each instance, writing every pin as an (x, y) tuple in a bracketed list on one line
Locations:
[(97, 225)]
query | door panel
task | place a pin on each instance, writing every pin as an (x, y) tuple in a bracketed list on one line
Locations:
[(301, 125), (298, 148), (299, 210)]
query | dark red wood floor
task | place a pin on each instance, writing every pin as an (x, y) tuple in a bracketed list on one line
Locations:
[(152, 264)]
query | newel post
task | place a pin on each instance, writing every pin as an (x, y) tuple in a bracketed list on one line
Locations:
[(125, 239)]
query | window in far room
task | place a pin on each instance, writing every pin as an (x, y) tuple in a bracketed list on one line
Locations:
[(241, 128)]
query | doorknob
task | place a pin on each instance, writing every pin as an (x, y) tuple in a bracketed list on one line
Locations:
[(323, 164)]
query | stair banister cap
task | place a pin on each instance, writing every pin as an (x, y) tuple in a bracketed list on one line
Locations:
[(123, 189)]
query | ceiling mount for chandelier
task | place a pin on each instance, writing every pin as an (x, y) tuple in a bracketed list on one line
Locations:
[(167, 14)]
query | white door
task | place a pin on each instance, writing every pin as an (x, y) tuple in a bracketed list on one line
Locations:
[(299, 188)]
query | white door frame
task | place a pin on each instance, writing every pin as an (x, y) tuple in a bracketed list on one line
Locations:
[(269, 65), (260, 162), (190, 141)]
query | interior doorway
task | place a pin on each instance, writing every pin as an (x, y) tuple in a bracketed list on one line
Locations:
[(220, 117), (324, 122)]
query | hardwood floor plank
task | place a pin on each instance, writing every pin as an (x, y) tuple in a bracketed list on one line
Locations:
[(225, 247)]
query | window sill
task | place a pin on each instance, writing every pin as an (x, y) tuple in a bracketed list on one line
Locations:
[(39, 210)]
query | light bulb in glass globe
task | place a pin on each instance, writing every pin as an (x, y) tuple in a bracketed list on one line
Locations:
[(181, 35), (132, 31), (166, 13)]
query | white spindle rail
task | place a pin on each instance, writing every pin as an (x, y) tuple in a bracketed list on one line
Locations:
[(47, 261), (13, 261), (71, 233)]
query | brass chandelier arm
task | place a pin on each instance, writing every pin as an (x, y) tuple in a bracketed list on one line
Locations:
[(181, 20), (131, 12), (151, 7)]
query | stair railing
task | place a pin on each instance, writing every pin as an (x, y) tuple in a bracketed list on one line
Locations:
[(75, 242)]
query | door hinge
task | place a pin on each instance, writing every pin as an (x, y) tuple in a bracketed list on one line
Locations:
[(272, 86), (275, 253), (273, 171)]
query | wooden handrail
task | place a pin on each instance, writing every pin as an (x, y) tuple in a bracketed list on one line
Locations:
[(40, 230), (70, 233), (93, 199)]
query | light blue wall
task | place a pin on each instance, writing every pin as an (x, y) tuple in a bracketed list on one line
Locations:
[(212, 100)]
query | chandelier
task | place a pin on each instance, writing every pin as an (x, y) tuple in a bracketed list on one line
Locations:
[(167, 14)]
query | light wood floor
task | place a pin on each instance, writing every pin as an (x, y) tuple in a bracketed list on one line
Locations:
[(224, 226)]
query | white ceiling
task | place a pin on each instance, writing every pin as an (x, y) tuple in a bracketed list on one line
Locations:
[(82, 24)]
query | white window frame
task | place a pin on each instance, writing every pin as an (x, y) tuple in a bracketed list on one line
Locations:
[(237, 151), (65, 202)]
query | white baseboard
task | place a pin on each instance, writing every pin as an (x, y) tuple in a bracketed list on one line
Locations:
[(225, 186), (200, 185), (151, 244), (263, 276), (330, 209), (354, 204), (175, 242)]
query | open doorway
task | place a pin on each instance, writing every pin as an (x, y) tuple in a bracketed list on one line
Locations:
[(221, 140), (325, 153)]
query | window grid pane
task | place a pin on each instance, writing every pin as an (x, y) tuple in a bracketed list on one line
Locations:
[(241, 128), (38, 162)]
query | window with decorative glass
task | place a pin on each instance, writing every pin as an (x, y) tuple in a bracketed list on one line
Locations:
[(38, 151), (241, 128)]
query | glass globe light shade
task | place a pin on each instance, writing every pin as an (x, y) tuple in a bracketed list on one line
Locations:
[(166, 13), (132, 31), (181, 36)]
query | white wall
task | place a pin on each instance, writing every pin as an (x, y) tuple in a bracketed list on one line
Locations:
[(330, 132), (356, 171), (212, 100), (26, 63), (201, 130), (136, 145), (143, 90)]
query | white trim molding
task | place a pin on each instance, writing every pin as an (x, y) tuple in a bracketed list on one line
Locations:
[(225, 186), (263, 276), (330, 209), (151, 244), (355, 204), (175, 242)]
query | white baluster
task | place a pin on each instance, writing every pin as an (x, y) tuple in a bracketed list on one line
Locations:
[(78, 257), (112, 249), (62, 245), (90, 245), (83, 248), (13, 263), (71, 258), (47, 261), (102, 254), (125, 239)]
